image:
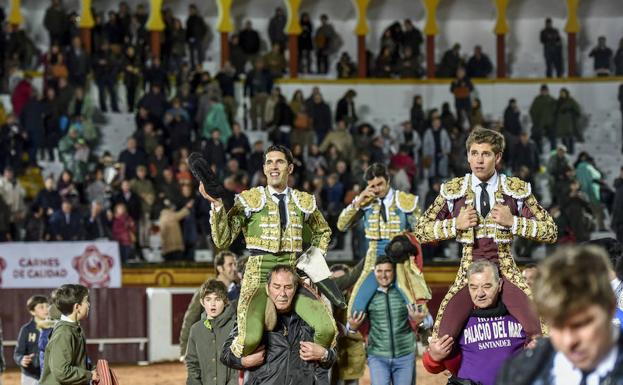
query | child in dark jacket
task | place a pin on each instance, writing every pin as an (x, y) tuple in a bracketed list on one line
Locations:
[(26, 354), (65, 361), (207, 336)]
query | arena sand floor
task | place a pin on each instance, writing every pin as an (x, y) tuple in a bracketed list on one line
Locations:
[(175, 374)]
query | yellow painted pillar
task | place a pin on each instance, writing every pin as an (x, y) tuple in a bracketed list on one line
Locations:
[(225, 26), (15, 18), (361, 30), (86, 25), (430, 30), (572, 28), (501, 29), (293, 29), (155, 25)]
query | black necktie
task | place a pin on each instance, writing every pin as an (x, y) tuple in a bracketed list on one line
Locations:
[(484, 200), (283, 219), (383, 211), (584, 377)]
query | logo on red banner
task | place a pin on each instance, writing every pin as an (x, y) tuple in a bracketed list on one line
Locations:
[(93, 267)]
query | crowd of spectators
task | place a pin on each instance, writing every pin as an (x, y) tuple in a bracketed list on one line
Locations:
[(146, 192), (120, 49)]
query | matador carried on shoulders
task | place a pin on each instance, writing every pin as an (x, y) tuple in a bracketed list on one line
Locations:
[(484, 210)]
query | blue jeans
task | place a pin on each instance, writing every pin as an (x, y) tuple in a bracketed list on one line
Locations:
[(395, 371)]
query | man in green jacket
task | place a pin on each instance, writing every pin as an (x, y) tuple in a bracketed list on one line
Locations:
[(65, 361), (542, 113), (392, 327)]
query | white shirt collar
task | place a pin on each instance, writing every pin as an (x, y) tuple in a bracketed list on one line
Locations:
[(615, 283), (272, 192), (492, 182), (389, 197), (67, 319)]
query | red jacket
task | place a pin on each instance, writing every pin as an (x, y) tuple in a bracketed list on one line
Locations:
[(404, 162), (123, 230), (451, 363), (21, 96)]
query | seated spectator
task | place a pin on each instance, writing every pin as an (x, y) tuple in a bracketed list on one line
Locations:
[(475, 117), (36, 225), (602, 57), (275, 61), (48, 199), (154, 101), (168, 188), (450, 62), (97, 223), (345, 67), (341, 139), (147, 139), (81, 109), (409, 65), (479, 65), (130, 158), (183, 175), (124, 232), (97, 189), (576, 216), (214, 150), (404, 161), (155, 75), (618, 60), (216, 120), (157, 162), (74, 153), (256, 159), (130, 200), (65, 224), (384, 63)]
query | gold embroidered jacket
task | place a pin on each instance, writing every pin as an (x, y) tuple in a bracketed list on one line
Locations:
[(530, 220), (402, 214), (257, 216)]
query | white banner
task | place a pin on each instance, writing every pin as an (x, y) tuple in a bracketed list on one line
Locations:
[(52, 264)]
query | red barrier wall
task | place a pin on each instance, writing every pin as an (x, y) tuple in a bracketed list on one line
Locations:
[(115, 313)]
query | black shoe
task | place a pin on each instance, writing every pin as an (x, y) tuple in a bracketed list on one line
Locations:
[(329, 288)]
